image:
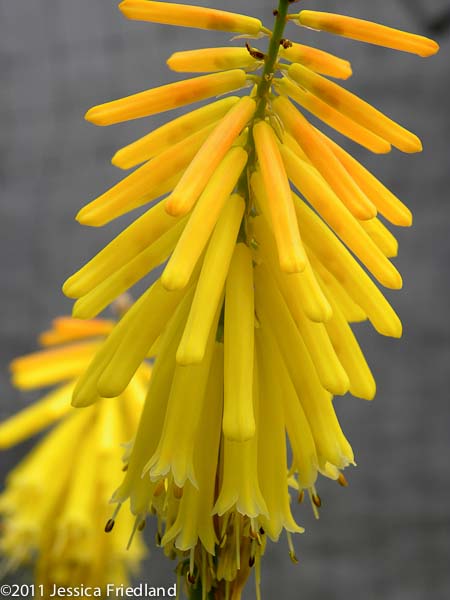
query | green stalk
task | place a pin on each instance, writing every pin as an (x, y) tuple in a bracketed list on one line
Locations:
[(271, 59)]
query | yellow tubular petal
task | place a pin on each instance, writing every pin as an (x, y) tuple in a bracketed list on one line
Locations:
[(208, 158), (300, 290), (203, 219), (304, 454), (333, 117), (316, 401), (166, 97), (362, 383), (238, 416), (132, 349), (152, 180), (336, 258), (356, 109), (85, 392), (366, 31), (273, 472), (282, 214), (314, 188), (119, 282), (207, 60), (138, 236), (330, 371), (48, 358), (382, 237), (175, 451), (194, 519), (36, 417), (52, 367), (239, 484), (171, 133), (67, 329), (351, 311), (190, 16), (76, 512), (318, 60), (153, 414), (211, 282), (323, 159), (388, 205)]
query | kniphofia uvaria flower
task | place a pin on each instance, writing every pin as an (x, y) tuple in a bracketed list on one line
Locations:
[(272, 236), (56, 500)]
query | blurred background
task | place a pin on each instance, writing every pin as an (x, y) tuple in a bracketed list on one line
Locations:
[(387, 535)]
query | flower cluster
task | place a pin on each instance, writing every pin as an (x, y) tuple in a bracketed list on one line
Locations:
[(264, 226), (56, 500)]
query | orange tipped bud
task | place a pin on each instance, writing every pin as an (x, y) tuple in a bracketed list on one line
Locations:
[(190, 16), (166, 97), (318, 60), (366, 31)]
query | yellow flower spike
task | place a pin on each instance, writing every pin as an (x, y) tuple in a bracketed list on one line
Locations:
[(32, 419), (282, 214), (51, 366), (208, 158), (318, 60), (239, 485), (209, 60), (194, 519), (362, 383), (315, 400), (323, 159), (336, 258), (332, 117), (175, 450), (171, 133), (190, 16), (167, 97), (152, 180), (382, 237), (273, 472), (158, 306), (356, 109), (314, 188), (203, 219), (387, 204), (367, 31), (351, 311), (211, 282), (238, 413), (136, 238), (120, 281), (300, 290)]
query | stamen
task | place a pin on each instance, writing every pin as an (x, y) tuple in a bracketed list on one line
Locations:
[(342, 480), (292, 554), (237, 531)]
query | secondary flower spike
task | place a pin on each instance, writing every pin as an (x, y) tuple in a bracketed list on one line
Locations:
[(268, 237), (56, 500)]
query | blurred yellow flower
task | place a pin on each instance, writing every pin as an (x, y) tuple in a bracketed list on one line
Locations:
[(268, 233), (56, 500)]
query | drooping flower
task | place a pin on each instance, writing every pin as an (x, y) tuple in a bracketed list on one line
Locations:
[(56, 500), (262, 222)]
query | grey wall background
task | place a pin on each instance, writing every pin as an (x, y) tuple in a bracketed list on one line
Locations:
[(387, 535)]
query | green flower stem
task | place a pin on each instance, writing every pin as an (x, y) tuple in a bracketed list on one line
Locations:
[(271, 59)]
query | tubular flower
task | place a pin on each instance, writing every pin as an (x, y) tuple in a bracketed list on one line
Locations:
[(270, 236), (57, 498)]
